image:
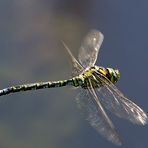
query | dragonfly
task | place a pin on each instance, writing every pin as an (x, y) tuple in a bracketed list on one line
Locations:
[(97, 89)]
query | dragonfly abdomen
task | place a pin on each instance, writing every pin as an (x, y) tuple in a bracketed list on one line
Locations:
[(25, 87), (41, 85)]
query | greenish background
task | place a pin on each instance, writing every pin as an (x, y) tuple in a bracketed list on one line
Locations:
[(31, 51)]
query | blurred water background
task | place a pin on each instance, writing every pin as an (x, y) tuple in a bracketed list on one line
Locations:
[(31, 51)]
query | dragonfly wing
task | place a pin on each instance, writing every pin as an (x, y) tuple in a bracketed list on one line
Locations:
[(90, 47), (76, 67), (95, 114), (117, 103)]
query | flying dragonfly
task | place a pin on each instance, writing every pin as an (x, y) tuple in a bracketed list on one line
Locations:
[(97, 89)]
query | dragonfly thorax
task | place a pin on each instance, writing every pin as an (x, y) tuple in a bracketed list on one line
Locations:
[(112, 74), (95, 74)]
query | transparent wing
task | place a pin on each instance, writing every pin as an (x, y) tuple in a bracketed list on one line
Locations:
[(89, 49), (117, 103), (95, 114), (76, 67)]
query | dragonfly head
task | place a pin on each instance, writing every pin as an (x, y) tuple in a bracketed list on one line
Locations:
[(113, 74)]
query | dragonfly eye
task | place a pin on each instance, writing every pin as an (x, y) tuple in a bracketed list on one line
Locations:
[(113, 74), (117, 74)]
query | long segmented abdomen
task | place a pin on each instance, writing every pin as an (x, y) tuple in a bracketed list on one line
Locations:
[(76, 81)]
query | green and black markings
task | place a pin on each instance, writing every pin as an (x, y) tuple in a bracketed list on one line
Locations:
[(41, 85), (81, 80)]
